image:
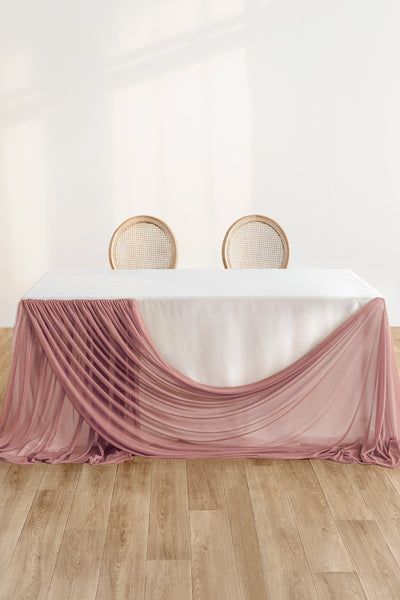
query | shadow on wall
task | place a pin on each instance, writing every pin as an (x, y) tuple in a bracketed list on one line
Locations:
[(95, 129)]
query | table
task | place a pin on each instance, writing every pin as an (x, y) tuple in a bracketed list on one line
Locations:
[(290, 363), (218, 327)]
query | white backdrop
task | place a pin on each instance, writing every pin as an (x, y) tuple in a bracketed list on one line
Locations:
[(199, 111)]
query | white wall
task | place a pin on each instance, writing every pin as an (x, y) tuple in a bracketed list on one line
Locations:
[(199, 111)]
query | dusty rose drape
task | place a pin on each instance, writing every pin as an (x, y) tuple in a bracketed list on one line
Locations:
[(87, 384)]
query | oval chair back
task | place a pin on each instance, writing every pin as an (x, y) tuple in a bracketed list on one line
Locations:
[(143, 242), (255, 242)]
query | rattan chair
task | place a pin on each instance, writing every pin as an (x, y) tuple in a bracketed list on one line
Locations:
[(142, 243), (255, 242)]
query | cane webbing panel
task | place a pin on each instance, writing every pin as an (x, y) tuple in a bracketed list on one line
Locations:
[(143, 246), (255, 245)]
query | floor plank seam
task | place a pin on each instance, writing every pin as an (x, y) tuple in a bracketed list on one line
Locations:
[(62, 537), (299, 534), (230, 531), (351, 558), (255, 525), (190, 535), (148, 530), (22, 528), (105, 537)]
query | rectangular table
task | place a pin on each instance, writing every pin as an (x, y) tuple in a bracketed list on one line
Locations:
[(290, 363)]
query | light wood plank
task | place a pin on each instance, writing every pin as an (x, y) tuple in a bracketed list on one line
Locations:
[(382, 500), (375, 565), (339, 586), (213, 561), (168, 580), (17, 493), (86, 525), (123, 566), (78, 563), (169, 537), (341, 490), (24, 478), (285, 564), (4, 468), (32, 563), (318, 531), (131, 497), (393, 476), (60, 477), (396, 337), (91, 506), (204, 482), (244, 533), (5, 359)]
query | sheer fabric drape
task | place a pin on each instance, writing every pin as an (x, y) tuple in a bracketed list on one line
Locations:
[(88, 385)]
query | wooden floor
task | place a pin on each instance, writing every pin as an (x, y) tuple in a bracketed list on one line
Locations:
[(201, 530)]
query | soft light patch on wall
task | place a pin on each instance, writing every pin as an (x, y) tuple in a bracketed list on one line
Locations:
[(24, 207)]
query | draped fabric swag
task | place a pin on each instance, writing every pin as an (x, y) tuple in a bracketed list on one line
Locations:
[(88, 385)]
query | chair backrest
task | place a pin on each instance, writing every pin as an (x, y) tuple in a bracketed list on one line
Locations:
[(142, 243), (255, 242)]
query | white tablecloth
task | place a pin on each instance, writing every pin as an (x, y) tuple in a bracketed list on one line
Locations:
[(225, 327)]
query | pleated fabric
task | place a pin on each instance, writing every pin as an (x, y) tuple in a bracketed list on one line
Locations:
[(88, 385)]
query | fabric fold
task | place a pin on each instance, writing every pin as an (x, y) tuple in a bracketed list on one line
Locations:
[(87, 384)]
